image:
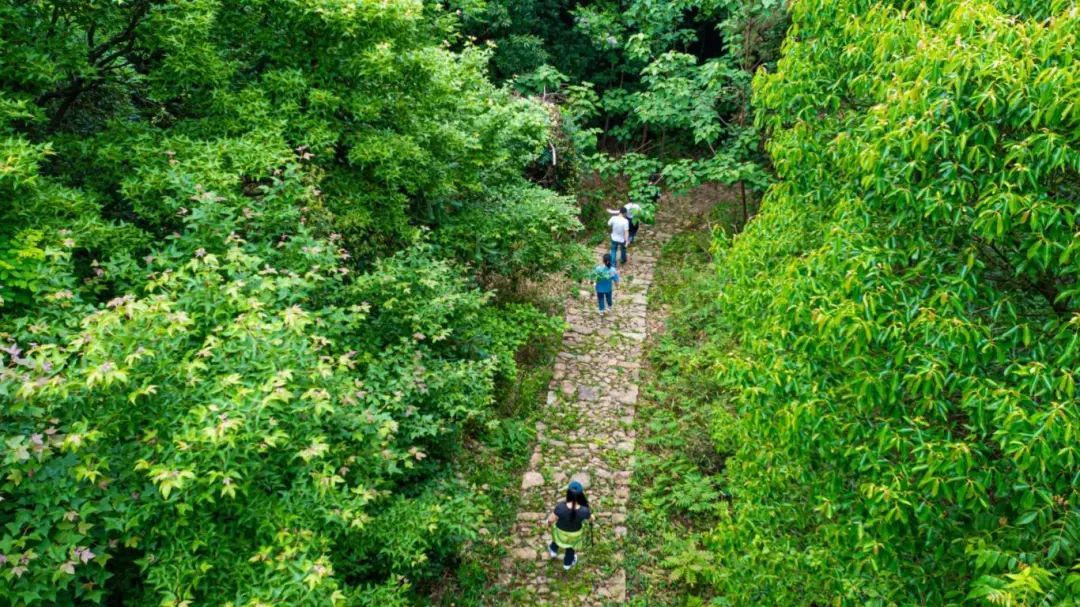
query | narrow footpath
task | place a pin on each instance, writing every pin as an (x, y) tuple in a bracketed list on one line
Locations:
[(587, 434)]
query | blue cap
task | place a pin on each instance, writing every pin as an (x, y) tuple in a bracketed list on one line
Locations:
[(576, 487)]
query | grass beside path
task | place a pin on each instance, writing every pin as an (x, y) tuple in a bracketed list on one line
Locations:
[(677, 489)]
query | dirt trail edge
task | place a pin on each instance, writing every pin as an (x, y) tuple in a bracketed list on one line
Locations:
[(587, 434)]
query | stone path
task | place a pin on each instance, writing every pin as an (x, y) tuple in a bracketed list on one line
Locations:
[(587, 433)]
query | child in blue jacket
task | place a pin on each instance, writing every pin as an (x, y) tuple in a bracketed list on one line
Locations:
[(605, 277)]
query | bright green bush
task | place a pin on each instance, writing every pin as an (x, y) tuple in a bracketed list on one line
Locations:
[(897, 332), (241, 437), (240, 355), (138, 106)]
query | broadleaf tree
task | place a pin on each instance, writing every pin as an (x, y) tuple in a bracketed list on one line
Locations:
[(894, 339), (240, 355)]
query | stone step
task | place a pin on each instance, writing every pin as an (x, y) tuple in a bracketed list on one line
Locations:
[(587, 434)]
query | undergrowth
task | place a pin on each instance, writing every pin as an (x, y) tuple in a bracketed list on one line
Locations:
[(678, 491), (493, 462)]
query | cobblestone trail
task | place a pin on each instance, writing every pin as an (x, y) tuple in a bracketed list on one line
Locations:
[(587, 434)]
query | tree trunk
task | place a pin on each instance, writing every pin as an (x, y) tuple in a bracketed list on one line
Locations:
[(745, 214)]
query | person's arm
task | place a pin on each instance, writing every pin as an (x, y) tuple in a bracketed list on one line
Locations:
[(551, 517), (612, 211)]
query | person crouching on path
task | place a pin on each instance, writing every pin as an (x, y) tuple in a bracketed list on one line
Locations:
[(620, 234), (605, 277), (569, 517)]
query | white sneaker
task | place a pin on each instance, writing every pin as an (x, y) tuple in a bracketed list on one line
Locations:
[(572, 563), (552, 553)]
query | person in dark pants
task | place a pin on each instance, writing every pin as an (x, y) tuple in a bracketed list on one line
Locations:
[(620, 235), (569, 518), (629, 210), (605, 277)]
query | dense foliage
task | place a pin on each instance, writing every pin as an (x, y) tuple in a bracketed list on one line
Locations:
[(666, 85), (258, 259), (890, 351), (242, 246)]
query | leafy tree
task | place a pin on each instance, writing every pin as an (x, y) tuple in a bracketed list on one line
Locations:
[(239, 351), (138, 103), (896, 334), (672, 81)]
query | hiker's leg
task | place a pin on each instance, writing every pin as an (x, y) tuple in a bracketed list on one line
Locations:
[(623, 253), (568, 560), (608, 297), (600, 300), (614, 249)]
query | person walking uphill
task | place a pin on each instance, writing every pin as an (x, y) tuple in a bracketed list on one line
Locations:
[(605, 277), (569, 517), (629, 210), (620, 235)]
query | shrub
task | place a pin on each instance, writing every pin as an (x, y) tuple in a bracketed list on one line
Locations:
[(905, 314)]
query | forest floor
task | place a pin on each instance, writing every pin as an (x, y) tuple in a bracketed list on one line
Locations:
[(587, 430)]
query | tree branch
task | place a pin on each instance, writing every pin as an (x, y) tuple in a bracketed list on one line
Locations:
[(100, 58), (1045, 288), (127, 34)]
